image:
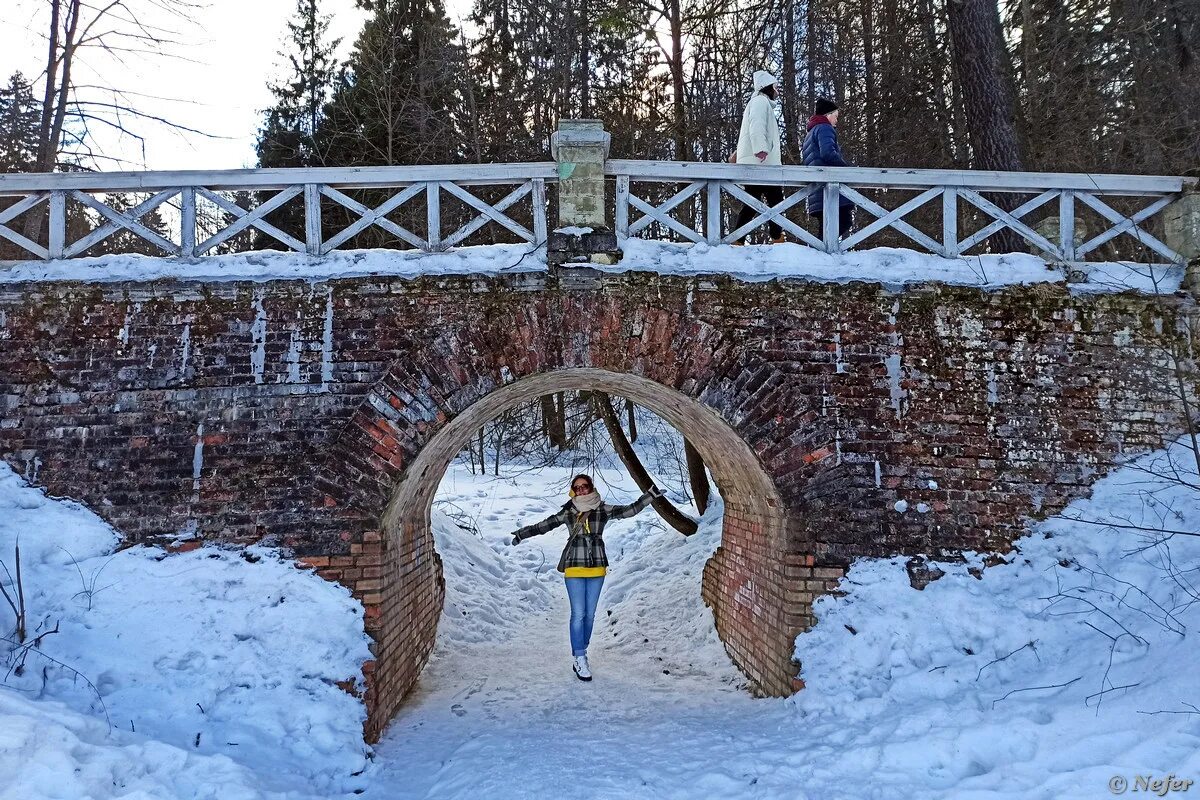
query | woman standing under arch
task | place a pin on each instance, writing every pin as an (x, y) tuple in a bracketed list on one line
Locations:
[(584, 562)]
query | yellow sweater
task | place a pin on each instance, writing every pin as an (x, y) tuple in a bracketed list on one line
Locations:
[(585, 572)]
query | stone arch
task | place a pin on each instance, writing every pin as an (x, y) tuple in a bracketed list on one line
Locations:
[(744, 582)]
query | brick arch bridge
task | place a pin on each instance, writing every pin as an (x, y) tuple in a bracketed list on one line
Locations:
[(314, 416)]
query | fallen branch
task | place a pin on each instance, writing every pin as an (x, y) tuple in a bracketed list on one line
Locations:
[(76, 674), (1103, 692), (1002, 658), (1035, 688), (1194, 710)]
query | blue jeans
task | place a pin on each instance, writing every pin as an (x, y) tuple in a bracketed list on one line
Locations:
[(584, 594)]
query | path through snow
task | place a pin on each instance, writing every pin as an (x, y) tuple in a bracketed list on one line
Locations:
[(498, 712)]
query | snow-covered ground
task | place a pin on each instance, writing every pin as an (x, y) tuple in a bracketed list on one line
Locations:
[(203, 674), (1040, 679), (892, 267)]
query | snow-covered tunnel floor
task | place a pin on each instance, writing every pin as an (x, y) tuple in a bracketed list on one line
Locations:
[(498, 712)]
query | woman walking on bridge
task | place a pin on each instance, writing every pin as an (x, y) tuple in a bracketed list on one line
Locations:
[(584, 562), (821, 150)]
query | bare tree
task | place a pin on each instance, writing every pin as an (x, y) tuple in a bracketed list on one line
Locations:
[(116, 30)]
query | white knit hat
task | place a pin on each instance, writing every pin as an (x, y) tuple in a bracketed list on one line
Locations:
[(763, 79)]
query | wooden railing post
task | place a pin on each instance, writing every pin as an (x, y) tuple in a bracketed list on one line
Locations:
[(187, 222), (1066, 225), (58, 224), (712, 216), (539, 211), (433, 215), (312, 219), (950, 222), (830, 217), (622, 208)]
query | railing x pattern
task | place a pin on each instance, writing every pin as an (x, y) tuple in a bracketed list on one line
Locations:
[(184, 188), (954, 188)]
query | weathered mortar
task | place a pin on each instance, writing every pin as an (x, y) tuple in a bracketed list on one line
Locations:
[(290, 412)]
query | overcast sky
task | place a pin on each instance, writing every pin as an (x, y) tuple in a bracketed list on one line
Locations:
[(218, 86)]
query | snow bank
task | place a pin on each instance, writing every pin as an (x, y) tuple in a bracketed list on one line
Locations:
[(270, 265), (892, 267), (47, 750), (1042, 678), (653, 596), (486, 594), (211, 653)]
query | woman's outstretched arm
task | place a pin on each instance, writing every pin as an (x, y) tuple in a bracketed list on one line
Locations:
[(538, 528), (636, 507)]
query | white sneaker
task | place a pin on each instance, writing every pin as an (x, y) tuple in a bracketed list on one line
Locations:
[(581, 668)]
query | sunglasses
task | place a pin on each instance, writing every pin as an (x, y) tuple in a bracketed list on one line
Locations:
[(581, 487)]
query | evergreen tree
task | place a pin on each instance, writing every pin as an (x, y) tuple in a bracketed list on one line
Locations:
[(19, 117), (287, 136), (399, 99)]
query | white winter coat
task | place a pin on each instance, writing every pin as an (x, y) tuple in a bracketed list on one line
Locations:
[(760, 131)]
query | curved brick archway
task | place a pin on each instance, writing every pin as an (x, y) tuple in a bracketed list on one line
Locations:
[(744, 582)]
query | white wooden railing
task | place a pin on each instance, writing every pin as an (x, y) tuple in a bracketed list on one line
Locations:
[(695, 212), (707, 183), (183, 188)]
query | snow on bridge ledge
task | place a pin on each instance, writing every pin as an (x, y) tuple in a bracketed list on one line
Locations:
[(891, 267)]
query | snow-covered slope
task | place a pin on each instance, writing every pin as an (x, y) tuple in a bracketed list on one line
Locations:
[(219, 653), (1044, 677)]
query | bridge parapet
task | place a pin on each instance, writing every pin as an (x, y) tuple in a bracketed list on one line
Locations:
[(1152, 220)]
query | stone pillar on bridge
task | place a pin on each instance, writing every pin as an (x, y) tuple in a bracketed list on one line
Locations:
[(1181, 232), (580, 146)]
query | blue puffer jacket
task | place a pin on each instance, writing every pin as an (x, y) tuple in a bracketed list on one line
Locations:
[(821, 150)]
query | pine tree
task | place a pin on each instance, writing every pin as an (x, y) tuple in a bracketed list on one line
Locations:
[(19, 117), (287, 136), (399, 100)]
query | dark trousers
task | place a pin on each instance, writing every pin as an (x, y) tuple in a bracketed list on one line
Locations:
[(845, 221), (772, 196)]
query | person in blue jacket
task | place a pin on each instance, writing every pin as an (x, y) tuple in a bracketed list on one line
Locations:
[(821, 150)]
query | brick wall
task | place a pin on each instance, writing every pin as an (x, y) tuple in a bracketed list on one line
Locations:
[(298, 414)]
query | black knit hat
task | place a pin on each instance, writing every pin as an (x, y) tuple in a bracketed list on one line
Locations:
[(825, 105)]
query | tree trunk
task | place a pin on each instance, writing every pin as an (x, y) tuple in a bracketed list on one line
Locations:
[(585, 106), (697, 476), (558, 420), (790, 97), (498, 427), (810, 41), (987, 95), (680, 121), (669, 513), (632, 421), (870, 106), (46, 150)]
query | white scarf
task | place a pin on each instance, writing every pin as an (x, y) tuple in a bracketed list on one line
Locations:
[(586, 502)]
